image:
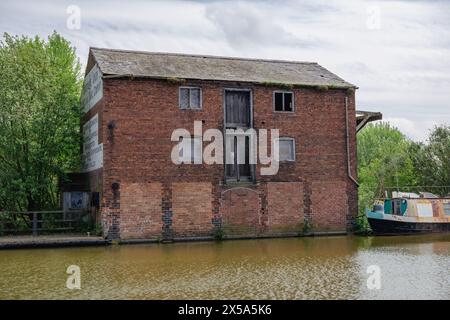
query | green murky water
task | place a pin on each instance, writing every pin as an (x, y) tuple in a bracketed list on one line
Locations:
[(414, 267)]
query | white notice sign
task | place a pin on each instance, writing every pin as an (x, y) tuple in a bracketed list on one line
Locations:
[(92, 89), (92, 151)]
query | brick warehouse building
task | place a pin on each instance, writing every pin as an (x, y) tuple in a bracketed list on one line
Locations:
[(134, 100)]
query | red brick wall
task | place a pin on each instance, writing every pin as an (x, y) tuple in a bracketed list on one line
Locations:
[(318, 127), (329, 206), (138, 151), (192, 209), (240, 211), (285, 206), (140, 210)]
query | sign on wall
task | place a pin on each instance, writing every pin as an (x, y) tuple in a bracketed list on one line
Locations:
[(92, 89), (92, 151)]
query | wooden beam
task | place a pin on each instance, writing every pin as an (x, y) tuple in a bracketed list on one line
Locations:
[(364, 117)]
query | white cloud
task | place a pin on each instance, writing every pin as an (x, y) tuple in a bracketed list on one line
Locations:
[(250, 26), (402, 68), (410, 128)]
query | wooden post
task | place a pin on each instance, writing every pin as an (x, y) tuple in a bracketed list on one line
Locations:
[(35, 232)]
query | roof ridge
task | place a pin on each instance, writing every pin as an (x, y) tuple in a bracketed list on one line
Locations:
[(203, 56)]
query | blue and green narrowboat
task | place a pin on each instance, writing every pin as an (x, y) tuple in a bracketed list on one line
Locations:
[(410, 213)]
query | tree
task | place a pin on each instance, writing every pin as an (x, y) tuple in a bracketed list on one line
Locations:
[(40, 86), (383, 162), (432, 161)]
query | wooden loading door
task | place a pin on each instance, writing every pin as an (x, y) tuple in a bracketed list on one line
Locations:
[(237, 115)]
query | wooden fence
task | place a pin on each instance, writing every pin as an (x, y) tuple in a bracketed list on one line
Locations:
[(36, 222)]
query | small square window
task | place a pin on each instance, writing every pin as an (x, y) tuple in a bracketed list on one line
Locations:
[(286, 149), (283, 101), (190, 98)]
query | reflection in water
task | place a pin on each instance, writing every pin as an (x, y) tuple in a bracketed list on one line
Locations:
[(300, 268)]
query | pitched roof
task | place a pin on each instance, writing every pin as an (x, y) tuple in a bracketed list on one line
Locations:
[(201, 67)]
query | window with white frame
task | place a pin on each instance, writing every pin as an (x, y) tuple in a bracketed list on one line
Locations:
[(190, 150), (283, 101), (286, 149), (190, 98)]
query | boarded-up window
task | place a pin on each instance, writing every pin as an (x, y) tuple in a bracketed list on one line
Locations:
[(283, 101), (286, 149), (190, 98), (237, 105)]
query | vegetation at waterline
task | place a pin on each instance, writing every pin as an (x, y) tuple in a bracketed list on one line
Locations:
[(387, 160), (40, 85)]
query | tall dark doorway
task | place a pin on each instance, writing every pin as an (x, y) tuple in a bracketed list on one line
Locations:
[(238, 115)]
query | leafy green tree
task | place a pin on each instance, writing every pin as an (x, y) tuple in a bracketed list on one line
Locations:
[(383, 162), (432, 161), (40, 87)]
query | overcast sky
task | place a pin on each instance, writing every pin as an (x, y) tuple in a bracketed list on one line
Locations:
[(396, 52)]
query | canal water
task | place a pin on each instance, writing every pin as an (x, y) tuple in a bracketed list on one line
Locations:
[(413, 267)]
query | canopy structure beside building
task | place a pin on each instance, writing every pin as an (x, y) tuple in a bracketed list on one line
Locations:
[(364, 117)]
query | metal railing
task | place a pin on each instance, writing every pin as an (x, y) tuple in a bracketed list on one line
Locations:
[(438, 190)]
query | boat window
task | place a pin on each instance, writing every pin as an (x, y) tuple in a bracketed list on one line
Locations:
[(397, 207), (447, 209), (378, 207), (424, 209), (387, 206)]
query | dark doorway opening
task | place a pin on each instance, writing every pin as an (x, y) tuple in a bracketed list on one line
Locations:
[(238, 116)]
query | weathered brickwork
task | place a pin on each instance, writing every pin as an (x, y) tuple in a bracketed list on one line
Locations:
[(192, 209), (285, 207), (140, 208), (329, 206), (240, 211), (159, 199)]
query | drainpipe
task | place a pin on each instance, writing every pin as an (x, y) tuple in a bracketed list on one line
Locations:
[(347, 138)]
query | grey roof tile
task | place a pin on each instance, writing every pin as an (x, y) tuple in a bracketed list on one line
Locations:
[(201, 67)]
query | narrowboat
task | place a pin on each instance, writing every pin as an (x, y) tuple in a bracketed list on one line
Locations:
[(410, 213)]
